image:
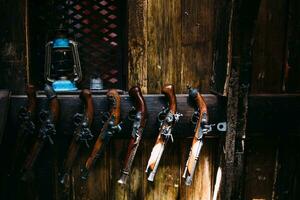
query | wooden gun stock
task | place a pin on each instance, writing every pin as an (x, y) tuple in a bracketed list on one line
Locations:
[(109, 128), (198, 137), (138, 126), (164, 131), (54, 103), (82, 133), (31, 94), (169, 92), (47, 128)]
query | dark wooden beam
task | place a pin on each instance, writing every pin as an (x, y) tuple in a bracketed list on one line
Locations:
[(274, 114), (71, 104), (4, 105), (268, 114), (241, 31)]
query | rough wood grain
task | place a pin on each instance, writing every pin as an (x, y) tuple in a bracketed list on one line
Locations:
[(269, 47), (97, 184), (220, 46), (202, 185), (137, 44), (292, 62), (167, 179), (197, 44), (164, 43), (261, 164), (4, 105), (12, 46), (288, 179), (134, 188)]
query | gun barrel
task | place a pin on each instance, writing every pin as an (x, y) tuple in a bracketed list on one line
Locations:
[(157, 160), (191, 163), (124, 177)]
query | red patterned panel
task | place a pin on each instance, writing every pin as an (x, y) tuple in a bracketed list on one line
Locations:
[(96, 27)]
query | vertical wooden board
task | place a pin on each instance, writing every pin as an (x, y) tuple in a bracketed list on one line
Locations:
[(288, 179), (12, 46), (197, 43), (148, 143), (134, 187), (220, 45), (292, 71), (97, 184), (196, 69), (167, 179), (163, 43), (269, 47), (260, 167), (137, 44), (203, 180), (4, 106)]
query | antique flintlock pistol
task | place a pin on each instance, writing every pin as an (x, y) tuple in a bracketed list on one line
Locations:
[(110, 127), (139, 123), (46, 130), (82, 134), (200, 130), (164, 134), (27, 128)]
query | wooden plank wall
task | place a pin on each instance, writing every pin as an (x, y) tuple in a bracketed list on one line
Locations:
[(271, 158), (12, 45), (170, 42)]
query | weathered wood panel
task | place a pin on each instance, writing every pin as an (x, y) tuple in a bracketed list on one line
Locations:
[(4, 105), (197, 43), (261, 158), (288, 179), (269, 47), (292, 65), (167, 179), (203, 182), (137, 44), (172, 43), (220, 46), (12, 46), (164, 40)]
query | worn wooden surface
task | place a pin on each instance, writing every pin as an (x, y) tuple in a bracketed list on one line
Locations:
[(269, 47), (292, 60), (137, 44), (221, 44), (171, 43), (261, 166), (12, 46), (4, 106), (287, 183)]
